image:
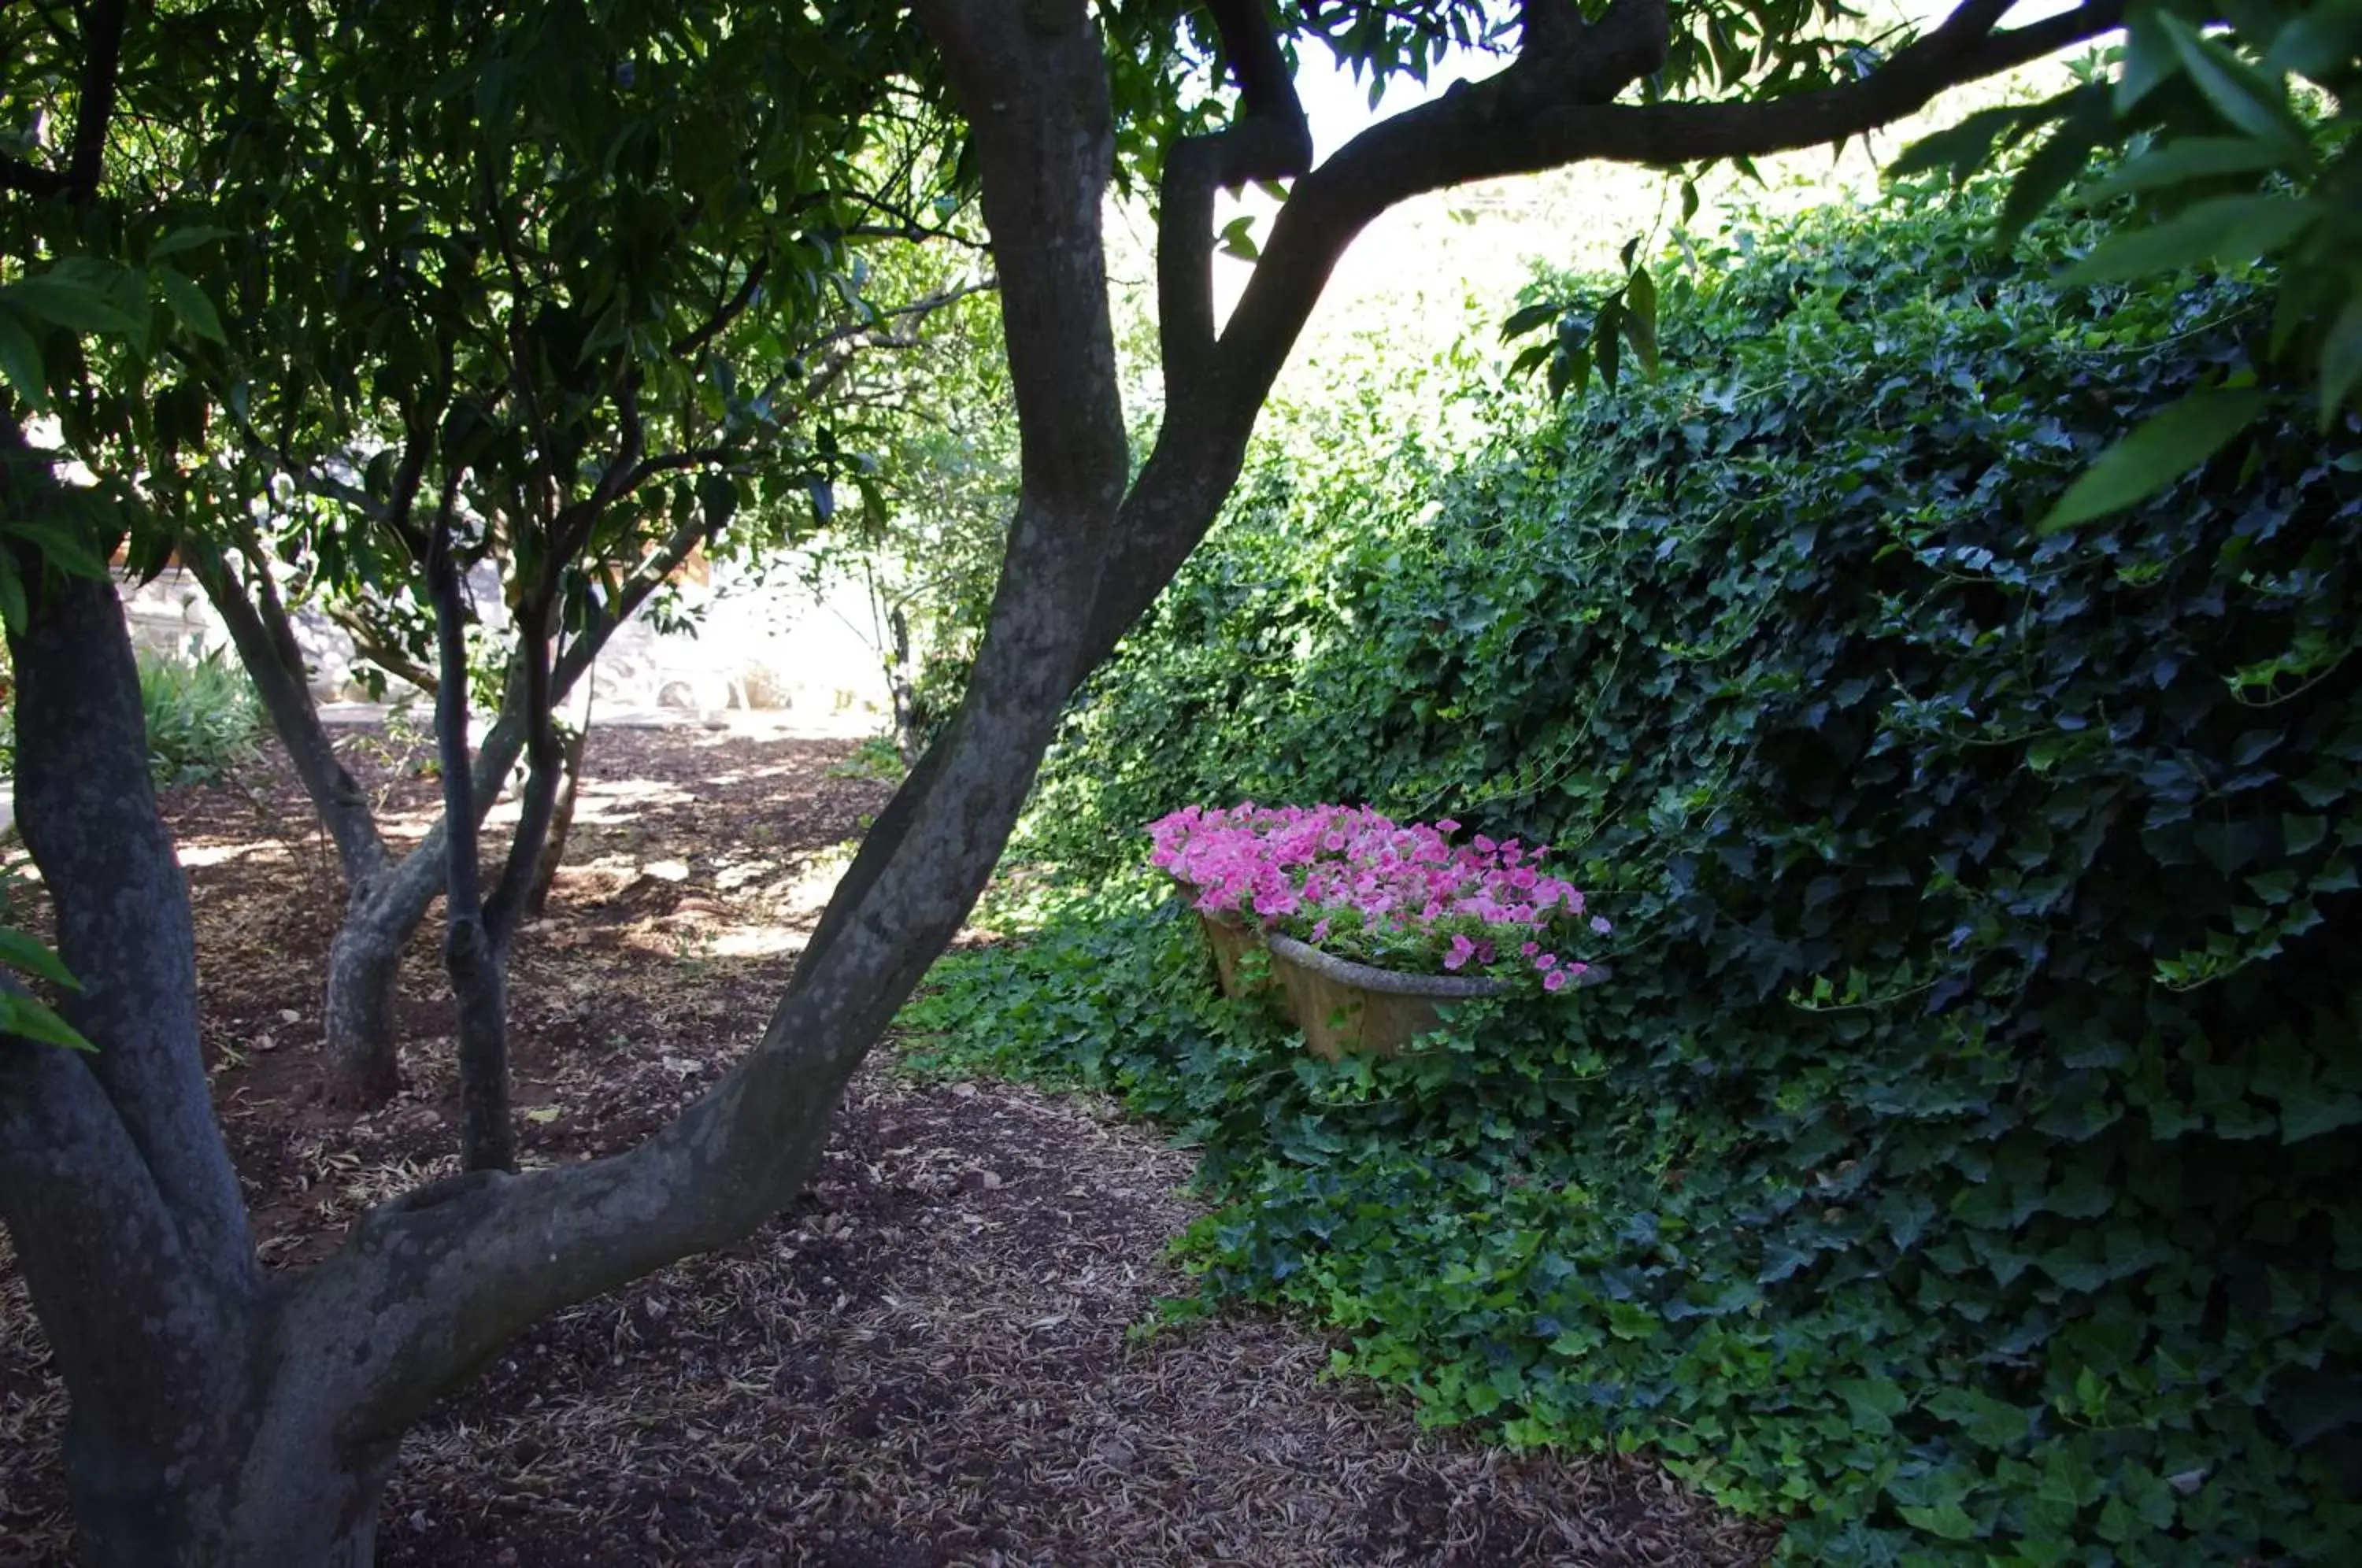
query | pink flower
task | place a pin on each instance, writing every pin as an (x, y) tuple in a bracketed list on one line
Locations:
[(1461, 951), (1530, 949), (1554, 981), (1547, 962), (1447, 826)]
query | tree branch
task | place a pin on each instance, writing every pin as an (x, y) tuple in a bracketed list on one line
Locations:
[(1270, 140), (262, 633), (93, 113), (1543, 112)]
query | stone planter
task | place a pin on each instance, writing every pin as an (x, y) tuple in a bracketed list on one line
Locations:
[(1343, 1006)]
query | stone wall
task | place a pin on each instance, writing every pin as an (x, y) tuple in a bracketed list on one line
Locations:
[(776, 649)]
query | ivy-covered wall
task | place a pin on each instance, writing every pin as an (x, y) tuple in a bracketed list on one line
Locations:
[(1967, 1156)]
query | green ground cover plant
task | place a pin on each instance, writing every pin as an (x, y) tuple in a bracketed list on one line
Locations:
[(1962, 1161)]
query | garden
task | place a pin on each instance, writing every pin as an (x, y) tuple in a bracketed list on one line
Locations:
[(1956, 1159), (1693, 904)]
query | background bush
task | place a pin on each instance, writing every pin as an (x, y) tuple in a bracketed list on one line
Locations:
[(204, 717), (1962, 1159)]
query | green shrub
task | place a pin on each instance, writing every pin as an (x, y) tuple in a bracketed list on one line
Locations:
[(204, 717), (1962, 1160)]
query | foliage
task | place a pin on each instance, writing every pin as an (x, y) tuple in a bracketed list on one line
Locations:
[(202, 716), (2242, 147), (1960, 1159)]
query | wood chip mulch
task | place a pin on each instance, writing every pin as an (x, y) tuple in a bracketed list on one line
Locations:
[(933, 1358)]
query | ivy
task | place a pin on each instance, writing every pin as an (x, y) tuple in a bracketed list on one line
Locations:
[(1961, 1162)]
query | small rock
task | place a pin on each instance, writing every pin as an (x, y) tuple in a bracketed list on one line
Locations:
[(289, 1015), (1115, 1453), (989, 1180)]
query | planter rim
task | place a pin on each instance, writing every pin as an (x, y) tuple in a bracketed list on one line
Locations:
[(1390, 982)]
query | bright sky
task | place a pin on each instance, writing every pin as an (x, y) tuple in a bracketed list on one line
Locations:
[(1456, 264)]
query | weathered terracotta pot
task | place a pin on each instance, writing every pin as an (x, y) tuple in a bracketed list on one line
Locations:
[(1230, 939), (1343, 1006)]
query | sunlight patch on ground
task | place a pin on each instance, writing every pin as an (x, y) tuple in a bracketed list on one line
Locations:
[(195, 855)]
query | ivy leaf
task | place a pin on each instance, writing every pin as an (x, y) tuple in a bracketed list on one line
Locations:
[(2311, 1109), (1949, 1520), (2157, 453)]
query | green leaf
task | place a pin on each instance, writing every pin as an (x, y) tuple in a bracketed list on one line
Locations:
[(2155, 454), (11, 594), (20, 362), (1237, 238), (2150, 60), (2319, 44), (1525, 320), (32, 1018), (2341, 361), (1949, 1520), (177, 240), (2239, 92), (2191, 159), (2225, 231), (2053, 166), (189, 304), (1640, 317), (76, 306), (20, 951)]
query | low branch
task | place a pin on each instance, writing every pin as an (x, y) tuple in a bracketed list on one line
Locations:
[(264, 636)]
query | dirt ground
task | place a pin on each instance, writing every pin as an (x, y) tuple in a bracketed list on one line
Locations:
[(933, 1358)]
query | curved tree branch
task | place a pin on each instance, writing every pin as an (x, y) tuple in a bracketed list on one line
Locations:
[(1270, 140), (1544, 111)]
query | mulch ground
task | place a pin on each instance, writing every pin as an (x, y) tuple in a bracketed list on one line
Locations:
[(933, 1358)]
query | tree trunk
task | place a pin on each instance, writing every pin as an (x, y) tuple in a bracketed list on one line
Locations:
[(363, 1066), (561, 821), (272, 1490)]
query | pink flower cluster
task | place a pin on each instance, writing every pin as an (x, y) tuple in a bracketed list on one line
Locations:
[(1357, 882)]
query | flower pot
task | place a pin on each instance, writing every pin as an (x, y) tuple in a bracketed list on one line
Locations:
[(1343, 1006), (1230, 939)]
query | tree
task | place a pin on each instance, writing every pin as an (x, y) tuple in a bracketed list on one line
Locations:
[(224, 1416), (538, 315)]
